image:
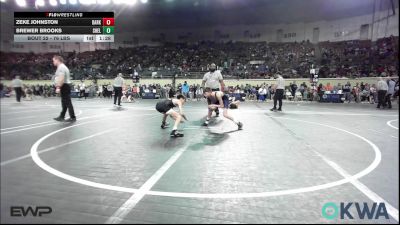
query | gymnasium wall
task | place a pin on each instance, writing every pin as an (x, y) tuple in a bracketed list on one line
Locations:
[(334, 30), (384, 25)]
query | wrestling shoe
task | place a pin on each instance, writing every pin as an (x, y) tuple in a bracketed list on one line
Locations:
[(240, 126), (164, 125), (175, 133)]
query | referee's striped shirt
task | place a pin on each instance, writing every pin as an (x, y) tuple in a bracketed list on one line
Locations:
[(280, 83), (118, 82), (16, 83)]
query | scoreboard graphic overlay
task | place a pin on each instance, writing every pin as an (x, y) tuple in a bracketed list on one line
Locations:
[(63, 26)]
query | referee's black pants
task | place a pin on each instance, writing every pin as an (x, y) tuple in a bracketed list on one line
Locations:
[(388, 100), (381, 98), (66, 103), (117, 94), (278, 98), (18, 93), (82, 94)]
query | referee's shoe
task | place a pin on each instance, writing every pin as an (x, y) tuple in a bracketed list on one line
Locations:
[(60, 119), (274, 109)]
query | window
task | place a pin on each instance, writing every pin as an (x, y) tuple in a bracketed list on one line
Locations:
[(288, 35), (182, 37), (135, 40), (18, 46), (338, 33), (225, 36), (54, 46)]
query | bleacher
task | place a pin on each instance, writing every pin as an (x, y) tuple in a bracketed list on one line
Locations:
[(356, 58)]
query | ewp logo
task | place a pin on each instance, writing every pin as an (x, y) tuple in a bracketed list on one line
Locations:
[(18, 211), (331, 210)]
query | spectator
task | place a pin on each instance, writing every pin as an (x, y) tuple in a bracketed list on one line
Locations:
[(356, 93), (28, 93), (270, 92), (253, 94), (171, 93), (136, 91), (82, 88), (301, 89), (396, 88), (166, 89), (353, 59), (104, 91), (199, 93), (328, 87), (321, 90), (391, 89), (306, 94), (17, 85), (185, 89), (1, 90), (293, 88), (347, 91), (372, 94), (194, 90), (262, 92), (109, 90)]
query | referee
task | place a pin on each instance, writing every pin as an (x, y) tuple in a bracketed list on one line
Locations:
[(213, 79), (118, 84), (382, 88), (63, 86), (279, 88), (17, 85)]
